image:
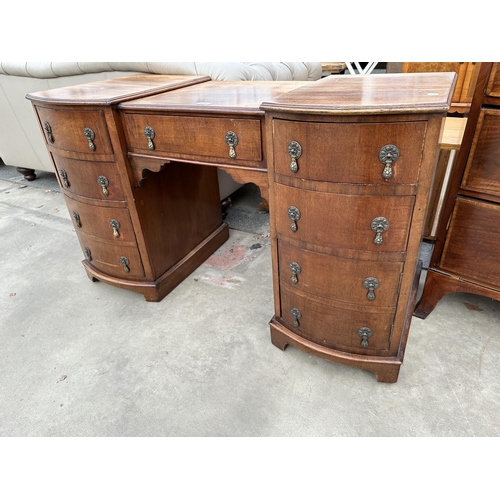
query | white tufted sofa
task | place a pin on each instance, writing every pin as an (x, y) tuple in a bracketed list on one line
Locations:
[(21, 143)]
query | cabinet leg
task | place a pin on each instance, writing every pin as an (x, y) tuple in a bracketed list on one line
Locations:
[(90, 276), (277, 338), (438, 285), (434, 290), (29, 173), (387, 374)]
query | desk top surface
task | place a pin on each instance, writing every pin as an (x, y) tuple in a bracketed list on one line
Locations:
[(369, 94), (216, 96), (109, 92), (333, 95)]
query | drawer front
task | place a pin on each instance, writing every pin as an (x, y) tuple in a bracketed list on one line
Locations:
[(483, 167), (120, 261), (333, 326), (98, 180), (365, 283), (493, 87), (194, 136), (472, 242), (343, 221), (113, 224), (348, 152), (78, 131)]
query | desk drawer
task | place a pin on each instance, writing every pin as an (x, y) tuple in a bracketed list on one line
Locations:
[(194, 136), (120, 261), (343, 221), (77, 131), (346, 280), (348, 152), (482, 173), (113, 224), (493, 87), (98, 180), (472, 242), (336, 325)]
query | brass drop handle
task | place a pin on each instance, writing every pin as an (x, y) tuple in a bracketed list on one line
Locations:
[(64, 177), (150, 135), (48, 131), (125, 263), (88, 133), (88, 254), (104, 183), (76, 216), (295, 152), (388, 155), (294, 216), (295, 269), (296, 316), (115, 225), (379, 225), (231, 140), (371, 284), (365, 333)]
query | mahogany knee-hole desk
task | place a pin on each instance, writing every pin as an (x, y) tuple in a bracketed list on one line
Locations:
[(346, 164)]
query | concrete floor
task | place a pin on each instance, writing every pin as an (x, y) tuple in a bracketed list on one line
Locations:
[(86, 359)]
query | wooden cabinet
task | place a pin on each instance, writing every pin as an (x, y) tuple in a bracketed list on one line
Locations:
[(465, 254), (352, 164), (121, 228), (466, 81)]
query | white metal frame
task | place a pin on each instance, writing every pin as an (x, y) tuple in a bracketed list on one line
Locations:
[(361, 71)]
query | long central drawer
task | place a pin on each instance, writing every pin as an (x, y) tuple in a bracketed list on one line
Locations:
[(194, 136)]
